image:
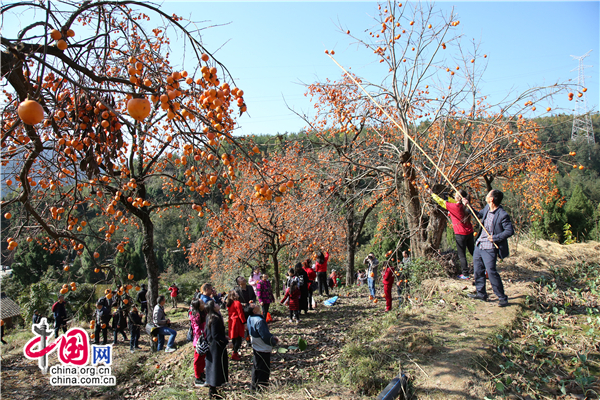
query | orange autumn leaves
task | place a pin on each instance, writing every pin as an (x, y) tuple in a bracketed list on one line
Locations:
[(114, 119), (466, 140), (275, 215)]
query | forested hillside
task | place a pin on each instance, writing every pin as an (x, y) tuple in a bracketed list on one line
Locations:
[(573, 216)]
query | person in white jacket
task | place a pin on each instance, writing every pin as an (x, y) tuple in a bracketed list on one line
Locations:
[(163, 324), (372, 262)]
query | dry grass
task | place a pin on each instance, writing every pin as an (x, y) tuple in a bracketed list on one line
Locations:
[(440, 338)]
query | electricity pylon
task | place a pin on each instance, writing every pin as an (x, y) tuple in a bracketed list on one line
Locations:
[(582, 123)]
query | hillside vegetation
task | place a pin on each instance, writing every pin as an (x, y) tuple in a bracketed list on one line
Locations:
[(545, 345), (574, 216)]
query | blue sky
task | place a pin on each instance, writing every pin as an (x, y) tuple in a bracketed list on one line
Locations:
[(272, 48)]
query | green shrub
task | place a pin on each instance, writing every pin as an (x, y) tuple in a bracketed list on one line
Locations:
[(420, 269), (187, 283), (39, 296)]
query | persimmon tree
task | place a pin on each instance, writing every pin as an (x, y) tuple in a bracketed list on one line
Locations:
[(429, 91), (346, 160), (94, 112), (275, 216)]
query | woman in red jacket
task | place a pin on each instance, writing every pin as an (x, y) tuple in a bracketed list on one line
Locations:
[(388, 282), (236, 323), (463, 230), (321, 267), (174, 292)]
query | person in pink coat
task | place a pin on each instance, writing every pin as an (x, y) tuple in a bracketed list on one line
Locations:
[(254, 278), (198, 321)]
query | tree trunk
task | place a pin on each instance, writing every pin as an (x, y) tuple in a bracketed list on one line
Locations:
[(276, 272), (151, 263), (436, 228), (414, 212), (350, 244)]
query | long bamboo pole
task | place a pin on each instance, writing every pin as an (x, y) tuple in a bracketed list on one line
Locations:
[(412, 140)]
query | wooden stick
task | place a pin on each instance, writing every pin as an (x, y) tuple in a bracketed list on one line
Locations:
[(411, 360)]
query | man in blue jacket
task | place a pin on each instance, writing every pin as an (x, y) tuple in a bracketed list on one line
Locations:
[(262, 345), (488, 247)]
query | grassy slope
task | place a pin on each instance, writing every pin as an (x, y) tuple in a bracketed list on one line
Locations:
[(443, 340)]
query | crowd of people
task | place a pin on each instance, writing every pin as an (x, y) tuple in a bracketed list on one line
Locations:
[(249, 301), (491, 243), (247, 314), (390, 274), (211, 335)]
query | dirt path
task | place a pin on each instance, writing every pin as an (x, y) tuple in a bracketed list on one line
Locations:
[(451, 365), (445, 343)]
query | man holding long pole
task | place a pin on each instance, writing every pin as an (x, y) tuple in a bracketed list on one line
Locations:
[(495, 230), (492, 242)]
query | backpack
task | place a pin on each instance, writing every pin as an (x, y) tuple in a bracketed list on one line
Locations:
[(202, 345), (103, 301), (190, 335)]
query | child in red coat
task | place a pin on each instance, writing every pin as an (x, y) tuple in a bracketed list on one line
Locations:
[(236, 323), (388, 282), (293, 294)]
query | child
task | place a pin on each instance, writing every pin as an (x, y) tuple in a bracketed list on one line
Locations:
[(388, 282), (334, 279), (402, 282), (255, 276), (218, 296), (264, 292), (303, 286), (262, 345), (135, 322), (291, 278), (236, 323), (312, 277), (362, 277), (119, 323), (198, 321), (293, 294), (102, 317)]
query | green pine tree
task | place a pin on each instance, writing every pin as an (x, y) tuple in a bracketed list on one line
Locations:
[(580, 213)]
